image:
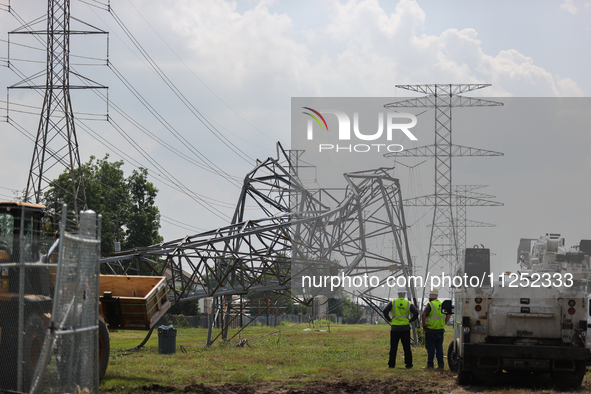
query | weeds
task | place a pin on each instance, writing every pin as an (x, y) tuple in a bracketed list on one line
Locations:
[(349, 353)]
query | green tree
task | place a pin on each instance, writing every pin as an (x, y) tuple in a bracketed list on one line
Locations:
[(350, 311), (185, 308), (126, 204), (144, 219), (283, 304), (300, 309)]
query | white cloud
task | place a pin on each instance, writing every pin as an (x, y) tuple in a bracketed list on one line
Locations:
[(517, 71), (236, 49), (569, 5), (360, 21), (385, 49), (360, 49)]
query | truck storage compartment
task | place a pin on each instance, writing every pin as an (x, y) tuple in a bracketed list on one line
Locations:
[(524, 312)]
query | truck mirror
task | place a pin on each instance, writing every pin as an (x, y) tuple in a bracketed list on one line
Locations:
[(447, 307)]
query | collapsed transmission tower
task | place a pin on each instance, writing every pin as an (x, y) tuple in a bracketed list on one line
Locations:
[(447, 232), (56, 143), (303, 234)]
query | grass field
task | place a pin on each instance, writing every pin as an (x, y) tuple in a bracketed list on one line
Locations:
[(335, 359)]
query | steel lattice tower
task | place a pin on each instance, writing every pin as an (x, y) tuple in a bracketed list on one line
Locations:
[(446, 236), (56, 142), (465, 195)]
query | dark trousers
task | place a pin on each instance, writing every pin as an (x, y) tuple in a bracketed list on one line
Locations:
[(404, 337), (434, 345)]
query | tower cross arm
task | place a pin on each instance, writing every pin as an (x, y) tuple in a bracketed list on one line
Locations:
[(444, 88), (464, 223), (430, 151), (430, 200), (451, 101)]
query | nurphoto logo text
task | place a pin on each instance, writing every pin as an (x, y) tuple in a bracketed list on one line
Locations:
[(393, 124)]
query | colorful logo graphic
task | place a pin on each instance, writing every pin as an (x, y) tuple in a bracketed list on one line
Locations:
[(315, 118)]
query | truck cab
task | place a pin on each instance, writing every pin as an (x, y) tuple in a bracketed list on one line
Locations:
[(12, 214)]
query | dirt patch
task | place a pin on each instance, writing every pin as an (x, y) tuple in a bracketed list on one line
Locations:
[(430, 383), (386, 386)]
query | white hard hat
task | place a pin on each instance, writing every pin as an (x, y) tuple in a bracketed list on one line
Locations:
[(401, 290), (434, 292)]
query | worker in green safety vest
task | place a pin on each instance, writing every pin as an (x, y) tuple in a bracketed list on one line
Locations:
[(403, 314), (434, 326)]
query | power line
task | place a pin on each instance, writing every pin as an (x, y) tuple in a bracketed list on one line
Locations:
[(167, 181), (179, 94), (153, 173), (196, 76), (99, 5), (208, 163), (179, 224), (136, 146), (151, 160), (27, 134), (169, 176)]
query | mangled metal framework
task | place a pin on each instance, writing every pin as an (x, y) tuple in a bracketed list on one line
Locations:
[(303, 233)]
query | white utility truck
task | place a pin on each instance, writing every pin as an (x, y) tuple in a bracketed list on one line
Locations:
[(534, 320)]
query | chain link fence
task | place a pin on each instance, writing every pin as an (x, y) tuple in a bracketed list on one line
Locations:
[(48, 311), (25, 292)]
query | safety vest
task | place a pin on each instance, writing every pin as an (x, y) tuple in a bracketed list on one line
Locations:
[(435, 319), (401, 312)]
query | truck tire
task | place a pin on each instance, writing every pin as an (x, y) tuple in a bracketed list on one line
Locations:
[(464, 377), (104, 347), (33, 345), (452, 356)]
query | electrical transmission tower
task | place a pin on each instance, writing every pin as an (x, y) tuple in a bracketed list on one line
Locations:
[(448, 234), (465, 195), (56, 143), (254, 256)]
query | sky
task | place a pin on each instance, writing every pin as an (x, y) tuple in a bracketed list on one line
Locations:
[(239, 63)]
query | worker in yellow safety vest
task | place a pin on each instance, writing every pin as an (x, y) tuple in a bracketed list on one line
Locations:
[(434, 326), (403, 314)]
